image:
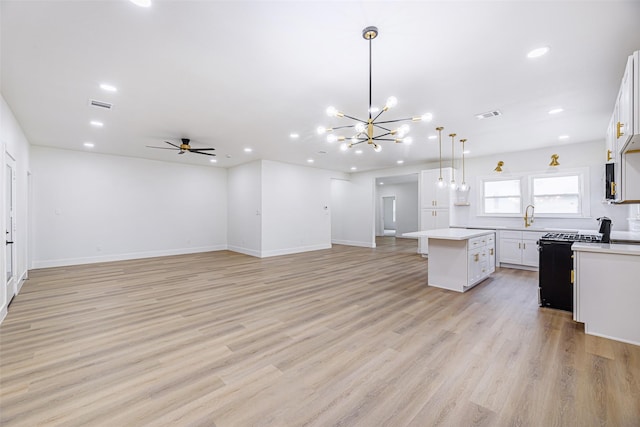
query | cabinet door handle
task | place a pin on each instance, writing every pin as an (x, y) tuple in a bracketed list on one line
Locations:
[(476, 258), (491, 251), (519, 245), (524, 246), (613, 188), (609, 155), (619, 131), (573, 276)]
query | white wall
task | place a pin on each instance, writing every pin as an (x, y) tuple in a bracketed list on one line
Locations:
[(407, 210), (14, 142), (93, 207), (296, 213), (353, 204), (244, 192), (590, 154)]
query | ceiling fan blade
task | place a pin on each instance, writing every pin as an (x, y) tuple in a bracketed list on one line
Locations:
[(201, 149), (171, 143), (163, 148), (200, 152)]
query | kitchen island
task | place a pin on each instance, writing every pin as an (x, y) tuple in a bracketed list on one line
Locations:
[(607, 290), (458, 258)]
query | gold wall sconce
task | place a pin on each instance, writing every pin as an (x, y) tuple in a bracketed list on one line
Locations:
[(554, 160), (499, 167)]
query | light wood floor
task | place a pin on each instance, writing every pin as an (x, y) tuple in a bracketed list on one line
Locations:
[(341, 337)]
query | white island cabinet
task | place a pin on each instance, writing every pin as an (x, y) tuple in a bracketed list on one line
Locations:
[(458, 258)]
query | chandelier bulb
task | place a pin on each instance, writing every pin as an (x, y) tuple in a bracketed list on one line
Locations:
[(392, 101), (360, 127), (344, 146), (331, 138), (427, 117), (377, 148), (332, 112), (321, 130), (408, 140), (403, 130)]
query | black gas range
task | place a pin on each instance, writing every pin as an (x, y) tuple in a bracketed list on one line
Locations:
[(556, 266), (571, 237)]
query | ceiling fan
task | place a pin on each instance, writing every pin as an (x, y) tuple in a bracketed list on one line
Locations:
[(184, 146)]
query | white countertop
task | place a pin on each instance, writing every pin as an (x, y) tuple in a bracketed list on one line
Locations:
[(607, 248), (620, 236), (449, 233)]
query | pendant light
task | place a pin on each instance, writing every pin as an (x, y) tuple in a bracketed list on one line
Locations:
[(453, 171), (463, 186), (440, 180)]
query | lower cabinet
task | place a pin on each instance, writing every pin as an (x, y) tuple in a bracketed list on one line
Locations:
[(519, 248)]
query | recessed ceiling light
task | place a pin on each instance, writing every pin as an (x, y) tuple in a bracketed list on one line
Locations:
[(108, 87), (96, 123), (358, 151), (400, 162), (563, 137), (381, 183), (432, 137), (309, 160), (556, 111), (466, 151), (538, 52), (141, 3), (248, 150), (353, 168), (89, 144), (294, 135), (213, 160)]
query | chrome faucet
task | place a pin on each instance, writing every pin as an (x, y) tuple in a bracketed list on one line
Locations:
[(528, 219)]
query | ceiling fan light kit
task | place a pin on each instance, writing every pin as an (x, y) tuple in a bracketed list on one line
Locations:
[(185, 147)]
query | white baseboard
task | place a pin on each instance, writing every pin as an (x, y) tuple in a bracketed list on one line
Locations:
[(297, 250), (245, 251), (124, 257), (353, 243), (24, 276)]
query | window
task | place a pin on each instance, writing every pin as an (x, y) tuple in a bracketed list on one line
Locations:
[(558, 195), (501, 196), (554, 194)]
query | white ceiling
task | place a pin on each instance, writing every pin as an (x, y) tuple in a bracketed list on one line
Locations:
[(242, 74)]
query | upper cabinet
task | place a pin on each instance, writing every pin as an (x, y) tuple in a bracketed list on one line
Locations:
[(627, 110), (432, 196), (622, 170)]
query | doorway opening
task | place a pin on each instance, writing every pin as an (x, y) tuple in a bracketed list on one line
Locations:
[(389, 216)]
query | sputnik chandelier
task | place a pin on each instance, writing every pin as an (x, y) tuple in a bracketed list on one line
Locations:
[(372, 131)]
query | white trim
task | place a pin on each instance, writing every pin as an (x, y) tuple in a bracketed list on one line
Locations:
[(244, 251), (353, 243), (480, 194), (125, 257), (24, 276), (3, 313), (584, 191), (289, 251)]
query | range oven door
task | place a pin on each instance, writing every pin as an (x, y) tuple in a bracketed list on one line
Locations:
[(556, 263)]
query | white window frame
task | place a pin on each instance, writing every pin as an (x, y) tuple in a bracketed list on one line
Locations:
[(584, 200), (493, 178), (526, 192)]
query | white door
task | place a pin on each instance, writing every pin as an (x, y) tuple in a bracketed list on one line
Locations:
[(10, 227)]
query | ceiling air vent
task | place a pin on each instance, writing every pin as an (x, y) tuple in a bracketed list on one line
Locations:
[(488, 114), (100, 104)]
